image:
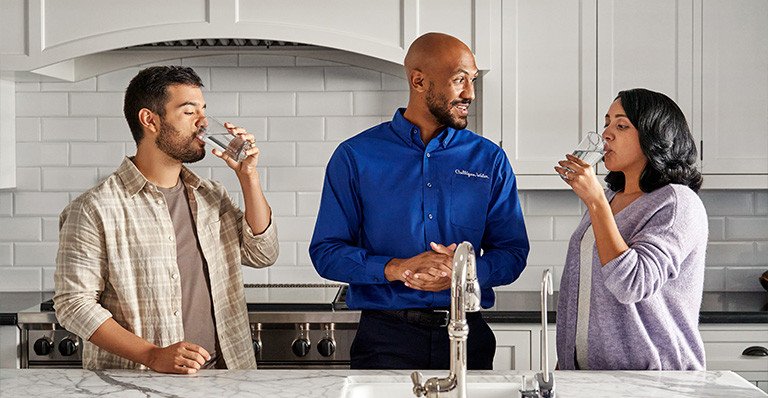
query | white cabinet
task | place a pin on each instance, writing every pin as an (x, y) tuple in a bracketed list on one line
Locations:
[(734, 86), (518, 346), (9, 347), (7, 134), (725, 343)]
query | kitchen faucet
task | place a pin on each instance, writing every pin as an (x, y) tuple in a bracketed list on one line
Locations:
[(465, 296), (545, 379)]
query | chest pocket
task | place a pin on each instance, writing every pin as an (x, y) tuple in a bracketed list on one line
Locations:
[(469, 201)]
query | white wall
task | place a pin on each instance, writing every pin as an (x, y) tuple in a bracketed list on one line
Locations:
[(71, 134)]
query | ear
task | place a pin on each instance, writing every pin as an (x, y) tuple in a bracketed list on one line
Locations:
[(149, 120), (417, 80)]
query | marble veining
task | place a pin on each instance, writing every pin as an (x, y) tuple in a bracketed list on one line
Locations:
[(61, 383)]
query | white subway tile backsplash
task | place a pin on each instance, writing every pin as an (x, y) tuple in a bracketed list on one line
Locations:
[(97, 154), (716, 229), (28, 129), (220, 105), (41, 104), (35, 254), (303, 61), (17, 279), (255, 275), (744, 279), (277, 153), (69, 179), (68, 129), (238, 79), (82, 85), (392, 100), (547, 253), (296, 178), (368, 103), (315, 153), (302, 254), (287, 252), (308, 203), (564, 226), (48, 281), (529, 280), (50, 229), (761, 203), (746, 228), (539, 227), (761, 253), (256, 126), (116, 81), (293, 229), (324, 104), (205, 77), (27, 86), (96, 104), (113, 129), (295, 128), (349, 78), (727, 203), (28, 179), (393, 83), (6, 254), (228, 178), (714, 279), (211, 60), (6, 203), (41, 154), (267, 104), (266, 60), (40, 203), (295, 79), (282, 203), (553, 203), (19, 229), (344, 127), (730, 254)]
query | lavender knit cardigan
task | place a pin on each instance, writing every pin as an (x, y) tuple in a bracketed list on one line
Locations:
[(644, 310)]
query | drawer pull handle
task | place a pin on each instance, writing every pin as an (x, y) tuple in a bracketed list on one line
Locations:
[(755, 351)]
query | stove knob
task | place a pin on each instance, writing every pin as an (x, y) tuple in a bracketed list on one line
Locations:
[(257, 347), (43, 346), (326, 347), (301, 347), (68, 347)]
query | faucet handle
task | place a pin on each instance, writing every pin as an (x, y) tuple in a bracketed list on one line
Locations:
[(418, 386)]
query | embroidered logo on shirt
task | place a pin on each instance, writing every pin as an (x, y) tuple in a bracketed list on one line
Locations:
[(470, 174)]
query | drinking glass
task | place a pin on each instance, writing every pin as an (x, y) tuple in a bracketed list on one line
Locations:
[(222, 139), (590, 149)]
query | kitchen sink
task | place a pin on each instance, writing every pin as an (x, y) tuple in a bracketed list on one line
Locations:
[(402, 387)]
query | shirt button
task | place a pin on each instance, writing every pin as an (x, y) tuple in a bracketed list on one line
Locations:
[(159, 201), (174, 276), (428, 155), (175, 313), (429, 185), (170, 238), (429, 216)]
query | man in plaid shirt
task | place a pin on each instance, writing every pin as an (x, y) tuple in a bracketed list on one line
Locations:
[(149, 262)]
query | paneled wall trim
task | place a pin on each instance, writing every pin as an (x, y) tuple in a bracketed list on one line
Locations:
[(70, 135)]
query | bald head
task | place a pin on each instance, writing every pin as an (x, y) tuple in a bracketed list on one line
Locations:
[(435, 50)]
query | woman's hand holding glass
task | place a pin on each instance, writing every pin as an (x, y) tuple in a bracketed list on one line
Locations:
[(578, 171)]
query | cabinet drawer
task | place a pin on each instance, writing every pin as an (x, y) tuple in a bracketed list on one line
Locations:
[(724, 345)]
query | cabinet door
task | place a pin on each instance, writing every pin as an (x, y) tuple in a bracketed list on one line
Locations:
[(548, 80), (734, 67), (513, 350), (724, 344)]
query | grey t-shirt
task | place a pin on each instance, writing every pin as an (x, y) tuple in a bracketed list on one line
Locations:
[(196, 305)]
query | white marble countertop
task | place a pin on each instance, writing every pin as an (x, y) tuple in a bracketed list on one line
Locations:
[(61, 383)]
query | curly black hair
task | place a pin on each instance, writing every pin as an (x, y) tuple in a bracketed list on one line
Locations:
[(665, 140), (148, 90)]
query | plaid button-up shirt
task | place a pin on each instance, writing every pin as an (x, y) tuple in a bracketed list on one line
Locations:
[(117, 258)]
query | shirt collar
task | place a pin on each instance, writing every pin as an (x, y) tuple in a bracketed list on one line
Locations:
[(134, 181), (409, 133)]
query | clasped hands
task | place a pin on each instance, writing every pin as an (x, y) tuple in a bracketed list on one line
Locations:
[(428, 271)]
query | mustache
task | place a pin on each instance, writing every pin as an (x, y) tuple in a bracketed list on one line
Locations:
[(454, 103)]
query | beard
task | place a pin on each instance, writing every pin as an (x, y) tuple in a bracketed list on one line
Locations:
[(173, 143), (441, 112)]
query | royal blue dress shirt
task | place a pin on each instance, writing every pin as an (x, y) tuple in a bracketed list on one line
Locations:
[(387, 195)]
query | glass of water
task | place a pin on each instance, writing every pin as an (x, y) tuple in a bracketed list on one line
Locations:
[(591, 148), (218, 136)]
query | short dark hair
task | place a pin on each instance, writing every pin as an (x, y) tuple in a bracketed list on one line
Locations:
[(665, 140), (148, 89)]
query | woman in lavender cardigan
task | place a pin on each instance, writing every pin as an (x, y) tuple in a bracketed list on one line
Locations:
[(632, 285)]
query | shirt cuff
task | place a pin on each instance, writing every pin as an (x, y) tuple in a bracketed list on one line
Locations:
[(614, 273), (248, 232), (375, 266)]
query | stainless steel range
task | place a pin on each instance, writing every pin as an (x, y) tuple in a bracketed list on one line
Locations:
[(292, 326)]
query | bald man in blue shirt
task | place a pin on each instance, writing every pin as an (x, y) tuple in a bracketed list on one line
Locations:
[(399, 197)]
